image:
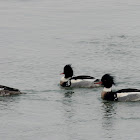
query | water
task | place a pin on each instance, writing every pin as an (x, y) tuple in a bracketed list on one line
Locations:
[(37, 38)]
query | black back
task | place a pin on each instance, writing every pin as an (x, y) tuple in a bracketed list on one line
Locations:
[(68, 71), (107, 81), (128, 90), (82, 77), (8, 88)]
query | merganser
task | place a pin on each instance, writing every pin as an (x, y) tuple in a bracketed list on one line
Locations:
[(120, 95), (78, 81), (7, 91)]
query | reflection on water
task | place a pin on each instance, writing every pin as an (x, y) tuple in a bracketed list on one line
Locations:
[(108, 119), (68, 105), (69, 94), (69, 112), (8, 101)]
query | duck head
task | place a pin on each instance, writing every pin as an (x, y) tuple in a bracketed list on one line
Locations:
[(68, 71), (107, 81)]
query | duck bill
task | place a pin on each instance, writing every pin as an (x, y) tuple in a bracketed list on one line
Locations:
[(61, 73), (100, 83)]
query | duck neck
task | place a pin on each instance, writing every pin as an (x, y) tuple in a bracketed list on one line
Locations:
[(65, 79), (105, 91)]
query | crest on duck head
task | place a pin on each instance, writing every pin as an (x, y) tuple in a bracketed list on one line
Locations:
[(107, 80), (68, 71)]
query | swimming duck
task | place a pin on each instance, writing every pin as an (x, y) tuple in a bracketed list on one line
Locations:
[(77, 81), (7, 91), (128, 94)]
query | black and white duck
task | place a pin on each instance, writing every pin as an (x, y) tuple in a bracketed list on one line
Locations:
[(7, 91), (128, 94), (68, 80)]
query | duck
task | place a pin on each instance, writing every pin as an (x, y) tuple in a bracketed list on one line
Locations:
[(128, 94), (68, 80), (7, 91)]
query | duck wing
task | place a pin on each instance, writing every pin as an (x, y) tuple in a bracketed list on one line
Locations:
[(8, 88), (128, 94), (128, 90), (82, 77)]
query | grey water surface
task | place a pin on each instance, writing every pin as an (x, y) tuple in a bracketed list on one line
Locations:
[(39, 37)]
